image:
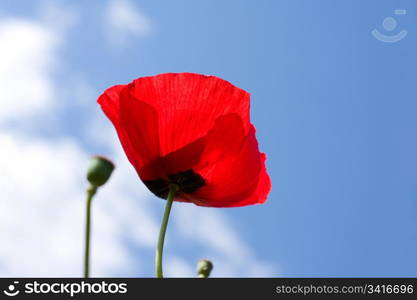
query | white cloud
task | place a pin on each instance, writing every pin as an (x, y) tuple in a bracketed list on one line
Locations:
[(57, 16), (26, 65), (210, 228), (39, 229), (42, 181), (175, 266), (29, 61), (125, 21), (42, 212)]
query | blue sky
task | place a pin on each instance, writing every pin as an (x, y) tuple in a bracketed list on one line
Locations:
[(335, 113)]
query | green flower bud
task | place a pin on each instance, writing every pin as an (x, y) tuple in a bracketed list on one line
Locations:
[(99, 170), (204, 268)]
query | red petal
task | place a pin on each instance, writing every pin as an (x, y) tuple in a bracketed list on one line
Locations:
[(237, 180), (109, 102), (188, 105), (136, 123), (225, 138)]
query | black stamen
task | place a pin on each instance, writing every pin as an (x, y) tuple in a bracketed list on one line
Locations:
[(188, 182)]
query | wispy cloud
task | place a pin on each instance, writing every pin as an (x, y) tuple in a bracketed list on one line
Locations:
[(178, 267), (210, 228), (26, 65), (57, 16), (29, 61), (125, 21)]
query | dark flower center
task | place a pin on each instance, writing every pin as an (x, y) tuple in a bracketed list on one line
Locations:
[(187, 181)]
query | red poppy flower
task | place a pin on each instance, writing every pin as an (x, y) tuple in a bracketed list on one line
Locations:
[(192, 130)]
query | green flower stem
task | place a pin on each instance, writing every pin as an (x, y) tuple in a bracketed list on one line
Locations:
[(173, 189), (91, 190)]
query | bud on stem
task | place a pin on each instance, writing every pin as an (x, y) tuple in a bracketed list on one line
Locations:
[(204, 268), (99, 171)]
